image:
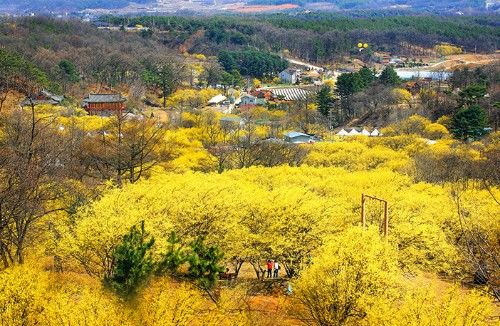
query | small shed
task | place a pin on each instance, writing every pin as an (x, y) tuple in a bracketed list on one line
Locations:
[(299, 138)]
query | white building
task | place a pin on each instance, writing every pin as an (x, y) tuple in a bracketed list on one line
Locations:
[(217, 100), (290, 76)]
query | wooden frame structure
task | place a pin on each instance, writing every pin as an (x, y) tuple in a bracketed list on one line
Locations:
[(364, 198)]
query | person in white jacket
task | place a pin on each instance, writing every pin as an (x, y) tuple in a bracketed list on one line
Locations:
[(276, 269)]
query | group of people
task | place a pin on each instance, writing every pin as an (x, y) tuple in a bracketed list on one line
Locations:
[(273, 269)]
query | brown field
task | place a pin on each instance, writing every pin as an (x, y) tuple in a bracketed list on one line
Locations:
[(258, 9), (453, 62)]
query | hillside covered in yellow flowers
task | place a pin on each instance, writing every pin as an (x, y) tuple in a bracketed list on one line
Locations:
[(279, 170), (305, 215)]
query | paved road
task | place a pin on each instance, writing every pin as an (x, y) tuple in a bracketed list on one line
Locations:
[(304, 64)]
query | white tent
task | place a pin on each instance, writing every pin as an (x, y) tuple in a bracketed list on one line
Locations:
[(365, 132), (342, 133), (354, 132)]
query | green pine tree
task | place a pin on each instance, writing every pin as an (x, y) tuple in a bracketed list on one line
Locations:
[(469, 123), (174, 257), (367, 76), (132, 262), (69, 71), (389, 76), (204, 263), (324, 100), (348, 84), (472, 94)]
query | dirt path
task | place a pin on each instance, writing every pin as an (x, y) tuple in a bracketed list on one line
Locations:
[(465, 60)]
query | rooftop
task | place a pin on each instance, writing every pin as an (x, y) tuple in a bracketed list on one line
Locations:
[(293, 134), (291, 94), (217, 99), (104, 98)]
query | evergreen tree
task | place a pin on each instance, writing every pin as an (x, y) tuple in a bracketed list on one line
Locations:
[(174, 257), (324, 100), (348, 84), (389, 76), (469, 123), (204, 263), (132, 262), (367, 76), (252, 63), (69, 71), (472, 94), (227, 61)]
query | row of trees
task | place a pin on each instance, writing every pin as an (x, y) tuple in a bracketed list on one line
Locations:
[(357, 94), (132, 262), (252, 63)]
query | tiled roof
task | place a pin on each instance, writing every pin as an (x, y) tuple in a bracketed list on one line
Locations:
[(104, 98)]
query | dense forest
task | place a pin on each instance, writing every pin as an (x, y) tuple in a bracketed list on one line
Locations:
[(99, 57), (321, 37)]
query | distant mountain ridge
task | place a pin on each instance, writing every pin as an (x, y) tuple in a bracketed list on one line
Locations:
[(378, 4), (418, 5), (60, 5)]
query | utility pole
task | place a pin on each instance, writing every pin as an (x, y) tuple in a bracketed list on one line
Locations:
[(386, 212)]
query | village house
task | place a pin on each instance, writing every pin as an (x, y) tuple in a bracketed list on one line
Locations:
[(396, 61), (290, 76), (43, 97), (382, 57), (104, 104), (262, 94), (250, 100)]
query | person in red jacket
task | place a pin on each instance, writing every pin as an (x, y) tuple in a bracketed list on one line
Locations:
[(269, 269)]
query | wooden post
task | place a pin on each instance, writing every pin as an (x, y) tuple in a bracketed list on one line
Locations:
[(386, 212), (386, 219), (363, 212)]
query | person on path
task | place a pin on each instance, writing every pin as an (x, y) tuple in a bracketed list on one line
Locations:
[(276, 269), (269, 269)]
